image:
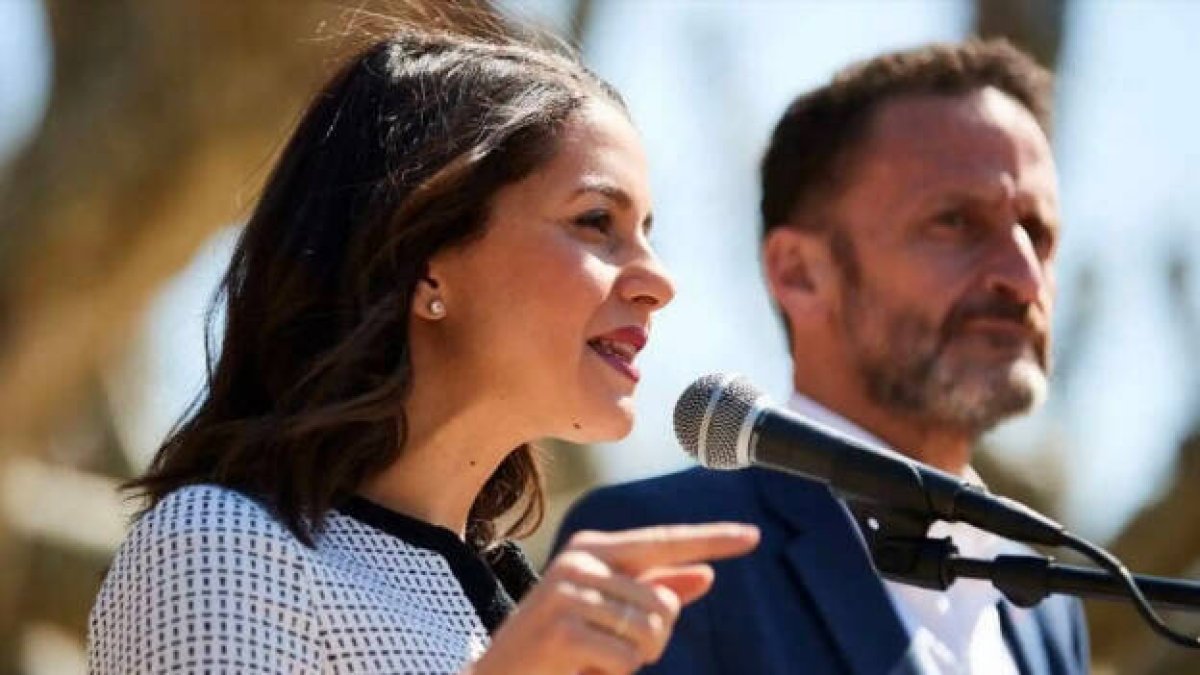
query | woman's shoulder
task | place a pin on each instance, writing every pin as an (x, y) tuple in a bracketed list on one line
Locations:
[(200, 502), (196, 519), (207, 507), (204, 541), (215, 566)]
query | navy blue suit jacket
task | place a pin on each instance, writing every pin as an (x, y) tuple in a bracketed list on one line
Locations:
[(808, 599)]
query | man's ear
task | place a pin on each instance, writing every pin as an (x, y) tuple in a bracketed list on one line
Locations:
[(799, 271)]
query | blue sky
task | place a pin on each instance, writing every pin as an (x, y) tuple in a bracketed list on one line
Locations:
[(705, 82), (24, 70)]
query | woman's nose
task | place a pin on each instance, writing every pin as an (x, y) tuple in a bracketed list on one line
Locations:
[(647, 282)]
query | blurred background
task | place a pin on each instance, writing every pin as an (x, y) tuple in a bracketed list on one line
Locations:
[(134, 135)]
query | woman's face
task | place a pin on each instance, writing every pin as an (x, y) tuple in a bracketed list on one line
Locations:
[(545, 314)]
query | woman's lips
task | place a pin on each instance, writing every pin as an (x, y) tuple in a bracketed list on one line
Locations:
[(626, 368), (618, 348)]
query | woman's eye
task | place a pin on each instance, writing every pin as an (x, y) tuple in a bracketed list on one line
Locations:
[(600, 221)]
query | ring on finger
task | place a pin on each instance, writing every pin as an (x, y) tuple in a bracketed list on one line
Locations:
[(623, 622)]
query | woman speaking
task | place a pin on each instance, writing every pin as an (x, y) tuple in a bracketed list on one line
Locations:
[(449, 261)]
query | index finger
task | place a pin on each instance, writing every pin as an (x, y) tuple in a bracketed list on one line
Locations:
[(634, 551)]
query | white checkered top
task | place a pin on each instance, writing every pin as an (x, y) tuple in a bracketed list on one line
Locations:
[(208, 581)]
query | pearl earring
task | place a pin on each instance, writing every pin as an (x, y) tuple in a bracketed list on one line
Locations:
[(437, 308)]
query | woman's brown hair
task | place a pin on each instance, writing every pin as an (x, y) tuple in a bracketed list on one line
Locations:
[(396, 159)]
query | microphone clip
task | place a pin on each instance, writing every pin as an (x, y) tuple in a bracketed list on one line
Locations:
[(899, 547)]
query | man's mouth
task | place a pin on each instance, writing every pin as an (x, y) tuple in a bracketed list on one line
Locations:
[(1015, 329), (1006, 338), (1000, 315)]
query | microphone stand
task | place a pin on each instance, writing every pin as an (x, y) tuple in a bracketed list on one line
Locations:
[(901, 552)]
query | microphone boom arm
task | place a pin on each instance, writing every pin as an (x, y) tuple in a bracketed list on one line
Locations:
[(1024, 579)]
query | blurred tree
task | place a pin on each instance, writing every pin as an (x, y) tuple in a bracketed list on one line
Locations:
[(159, 116), (1163, 538), (161, 123), (1037, 26), (580, 21)]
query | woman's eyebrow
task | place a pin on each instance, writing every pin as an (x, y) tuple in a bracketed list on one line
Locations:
[(614, 192), (606, 188)]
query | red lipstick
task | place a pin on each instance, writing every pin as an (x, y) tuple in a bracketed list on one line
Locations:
[(619, 347)]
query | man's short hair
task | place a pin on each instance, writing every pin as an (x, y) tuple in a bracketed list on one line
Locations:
[(811, 148)]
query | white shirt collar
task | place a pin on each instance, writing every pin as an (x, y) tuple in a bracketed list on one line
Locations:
[(970, 541), (818, 413)]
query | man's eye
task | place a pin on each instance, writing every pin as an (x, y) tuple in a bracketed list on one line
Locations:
[(1040, 235), (956, 220), (599, 220)]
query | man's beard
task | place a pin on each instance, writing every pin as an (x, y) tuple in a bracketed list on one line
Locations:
[(909, 363)]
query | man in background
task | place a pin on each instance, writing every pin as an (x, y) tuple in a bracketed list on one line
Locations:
[(910, 224)]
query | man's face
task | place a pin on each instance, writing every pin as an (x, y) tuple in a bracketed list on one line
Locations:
[(943, 241)]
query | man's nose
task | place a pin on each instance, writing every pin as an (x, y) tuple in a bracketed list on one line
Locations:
[(1016, 269)]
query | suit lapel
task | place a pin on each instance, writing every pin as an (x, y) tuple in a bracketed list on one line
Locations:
[(830, 560)]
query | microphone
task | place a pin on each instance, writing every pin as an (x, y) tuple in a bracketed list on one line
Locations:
[(727, 423)]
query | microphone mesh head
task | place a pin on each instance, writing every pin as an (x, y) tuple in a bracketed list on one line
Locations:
[(709, 418), (691, 408)]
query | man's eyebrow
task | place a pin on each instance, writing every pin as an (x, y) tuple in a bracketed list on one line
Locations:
[(614, 192), (1026, 203)]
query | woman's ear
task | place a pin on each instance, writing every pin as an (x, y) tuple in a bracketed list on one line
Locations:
[(798, 270), (428, 302)]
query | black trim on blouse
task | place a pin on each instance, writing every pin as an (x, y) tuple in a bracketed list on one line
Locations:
[(491, 581)]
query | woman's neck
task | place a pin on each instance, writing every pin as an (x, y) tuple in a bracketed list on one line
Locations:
[(448, 456)]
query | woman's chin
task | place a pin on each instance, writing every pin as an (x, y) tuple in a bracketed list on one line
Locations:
[(613, 425)]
